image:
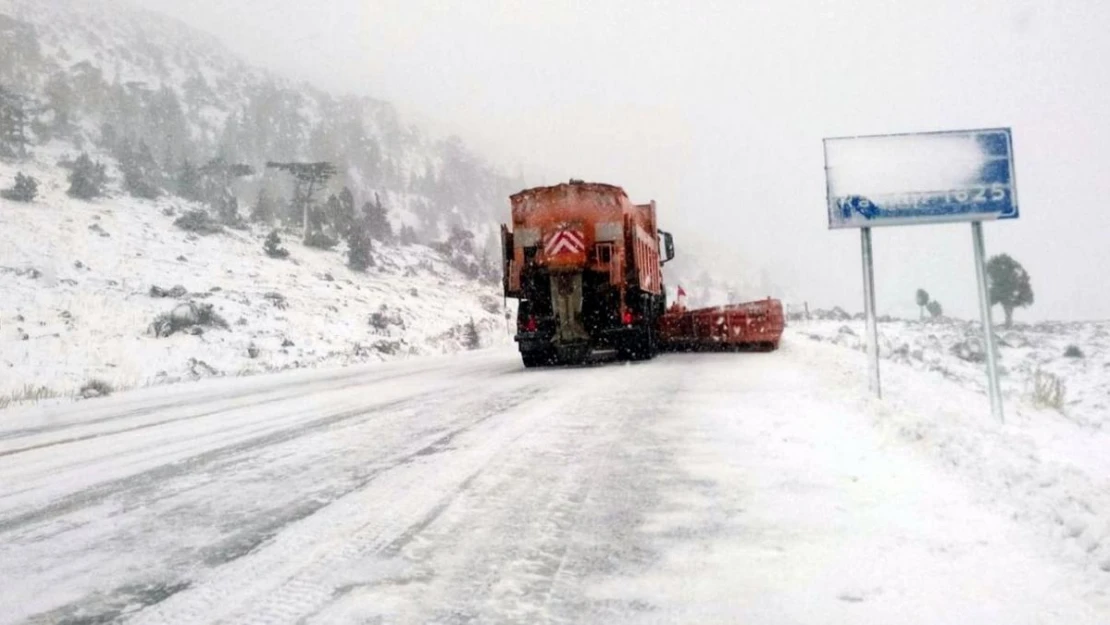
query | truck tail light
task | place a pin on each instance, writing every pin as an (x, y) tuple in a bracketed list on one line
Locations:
[(626, 317), (530, 324)]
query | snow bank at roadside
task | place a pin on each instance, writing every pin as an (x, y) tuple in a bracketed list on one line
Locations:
[(1042, 466)]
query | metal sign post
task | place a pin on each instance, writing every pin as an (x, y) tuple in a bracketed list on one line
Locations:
[(985, 315), (869, 309), (922, 178)]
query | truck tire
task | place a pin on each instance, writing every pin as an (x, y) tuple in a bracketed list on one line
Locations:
[(536, 359), (642, 347)]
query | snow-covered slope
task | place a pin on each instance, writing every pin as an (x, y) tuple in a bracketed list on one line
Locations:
[(100, 72), (1076, 353), (76, 280), (1047, 464)]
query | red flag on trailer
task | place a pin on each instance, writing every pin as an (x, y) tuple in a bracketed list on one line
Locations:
[(681, 291)]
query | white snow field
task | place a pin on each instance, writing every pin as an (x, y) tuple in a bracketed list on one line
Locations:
[(695, 488)]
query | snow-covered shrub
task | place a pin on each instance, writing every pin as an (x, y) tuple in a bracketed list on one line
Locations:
[(273, 247), (970, 350), (1073, 351), (25, 189), (321, 241), (96, 388), (382, 319), (199, 222), (1015, 339), (277, 299), (1048, 390), (187, 317), (388, 347), (175, 292)]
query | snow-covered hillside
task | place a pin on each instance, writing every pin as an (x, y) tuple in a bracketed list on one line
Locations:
[(100, 72), (76, 279)]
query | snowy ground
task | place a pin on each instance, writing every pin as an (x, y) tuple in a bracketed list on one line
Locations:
[(76, 278), (696, 488), (1048, 465), (951, 348)]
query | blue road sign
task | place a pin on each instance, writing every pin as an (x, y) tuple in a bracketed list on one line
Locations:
[(936, 177)]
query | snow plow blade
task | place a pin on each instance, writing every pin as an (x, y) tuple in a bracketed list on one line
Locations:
[(754, 325)]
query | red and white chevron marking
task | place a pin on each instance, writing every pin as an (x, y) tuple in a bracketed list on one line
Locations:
[(565, 242)]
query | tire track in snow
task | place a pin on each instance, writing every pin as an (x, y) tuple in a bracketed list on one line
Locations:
[(538, 525), (167, 448), (167, 471), (108, 605), (250, 400), (194, 463), (296, 575)]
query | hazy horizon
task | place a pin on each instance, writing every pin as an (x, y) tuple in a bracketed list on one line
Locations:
[(718, 114)]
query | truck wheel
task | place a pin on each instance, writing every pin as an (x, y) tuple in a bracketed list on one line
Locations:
[(642, 347), (536, 359)]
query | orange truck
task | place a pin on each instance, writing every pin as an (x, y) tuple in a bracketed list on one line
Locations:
[(586, 265)]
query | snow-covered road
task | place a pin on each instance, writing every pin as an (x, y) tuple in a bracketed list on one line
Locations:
[(720, 488)]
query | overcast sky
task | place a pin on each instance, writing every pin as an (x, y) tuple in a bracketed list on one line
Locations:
[(717, 111)]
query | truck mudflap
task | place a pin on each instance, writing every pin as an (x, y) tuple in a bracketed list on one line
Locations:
[(753, 325)]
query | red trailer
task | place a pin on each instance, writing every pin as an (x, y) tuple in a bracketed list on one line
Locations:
[(755, 325)]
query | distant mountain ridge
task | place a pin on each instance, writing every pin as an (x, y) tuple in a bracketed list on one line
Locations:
[(103, 71)]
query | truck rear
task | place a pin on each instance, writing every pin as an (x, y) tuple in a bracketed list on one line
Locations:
[(586, 264)]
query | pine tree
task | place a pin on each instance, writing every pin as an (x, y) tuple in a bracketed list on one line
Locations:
[(60, 99), (308, 178), (472, 339), (408, 235), (377, 220), (460, 241), (358, 247), (141, 173), (343, 217), (227, 207), (922, 302), (25, 189), (188, 181), (86, 178), (13, 125), (263, 209), (329, 214), (1009, 285)]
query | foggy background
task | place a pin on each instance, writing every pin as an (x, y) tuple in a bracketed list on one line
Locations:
[(717, 112)]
